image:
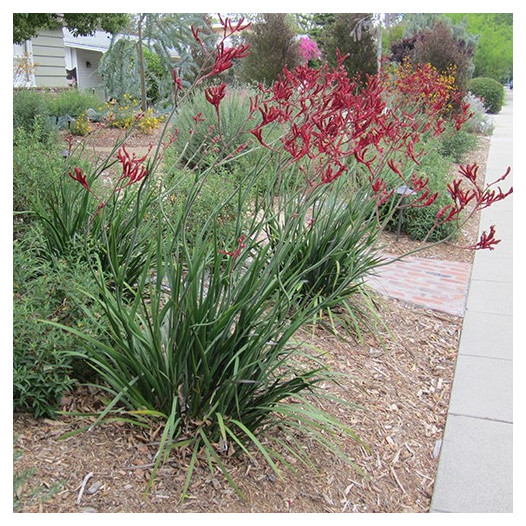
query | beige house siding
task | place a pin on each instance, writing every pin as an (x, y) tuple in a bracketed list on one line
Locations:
[(49, 55)]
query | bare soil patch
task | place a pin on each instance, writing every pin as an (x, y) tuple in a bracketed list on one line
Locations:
[(402, 384)]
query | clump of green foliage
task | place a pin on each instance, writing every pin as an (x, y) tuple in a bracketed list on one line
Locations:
[(31, 113), (45, 112), (73, 102), (490, 91), (43, 370), (272, 48), (417, 222)]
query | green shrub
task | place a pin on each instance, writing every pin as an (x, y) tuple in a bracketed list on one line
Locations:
[(456, 145), (44, 290), (490, 91), (74, 103), (35, 165), (154, 76), (31, 113), (197, 143), (44, 112), (418, 221)]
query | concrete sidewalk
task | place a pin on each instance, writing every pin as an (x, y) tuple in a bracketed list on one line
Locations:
[(475, 471)]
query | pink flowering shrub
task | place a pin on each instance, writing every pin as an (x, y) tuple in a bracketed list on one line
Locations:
[(308, 50)]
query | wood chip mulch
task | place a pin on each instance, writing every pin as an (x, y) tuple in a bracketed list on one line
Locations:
[(401, 381)]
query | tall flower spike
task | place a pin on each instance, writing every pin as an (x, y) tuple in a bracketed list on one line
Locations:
[(225, 57), (229, 29), (470, 171), (234, 254), (177, 80)]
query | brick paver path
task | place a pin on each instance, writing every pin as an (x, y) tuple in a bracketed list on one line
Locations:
[(435, 284)]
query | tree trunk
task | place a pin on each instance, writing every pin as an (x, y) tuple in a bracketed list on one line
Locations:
[(141, 65), (379, 49)]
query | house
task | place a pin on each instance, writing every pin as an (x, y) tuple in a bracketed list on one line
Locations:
[(83, 55), (58, 59), (39, 62)]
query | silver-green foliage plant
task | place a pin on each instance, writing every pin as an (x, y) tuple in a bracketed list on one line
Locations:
[(166, 36), (480, 121), (205, 128)]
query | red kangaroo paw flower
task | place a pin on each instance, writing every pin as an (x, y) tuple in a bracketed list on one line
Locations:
[(80, 177), (132, 167), (394, 167), (215, 94), (225, 57), (470, 171), (237, 251), (487, 240), (257, 133), (177, 80)]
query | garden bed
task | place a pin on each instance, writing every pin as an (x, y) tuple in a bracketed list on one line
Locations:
[(403, 387)]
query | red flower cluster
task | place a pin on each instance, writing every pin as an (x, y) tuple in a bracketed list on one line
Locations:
[(424, 89), (381, 192), (223, 56), (215, 94), (237, 251), (229, 28), (80, 177), (329, 118), (477, 196), (487, 240), (133, 168)]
